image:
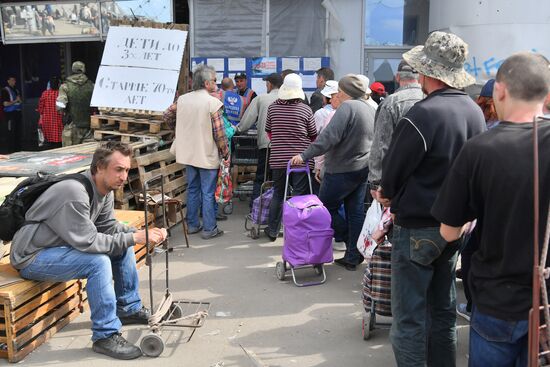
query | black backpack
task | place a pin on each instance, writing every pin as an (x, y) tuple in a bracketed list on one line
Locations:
[(16, 204)]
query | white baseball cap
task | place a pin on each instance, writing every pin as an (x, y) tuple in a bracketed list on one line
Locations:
[(331, 87)]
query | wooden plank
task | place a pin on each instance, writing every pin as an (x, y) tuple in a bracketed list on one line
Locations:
[(63, 321), (36, 329), (20, 293), (48, 306), (148, 159), (167, 170), (127, 137), (125, 122), (41, 298)]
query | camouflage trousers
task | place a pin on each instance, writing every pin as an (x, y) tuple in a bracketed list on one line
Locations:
[(73, 135)]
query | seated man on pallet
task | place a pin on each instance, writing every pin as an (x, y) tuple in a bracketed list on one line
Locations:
[(72, 235)]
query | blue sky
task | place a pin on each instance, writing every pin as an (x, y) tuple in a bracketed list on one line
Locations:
[(158, 10), (384, 22)]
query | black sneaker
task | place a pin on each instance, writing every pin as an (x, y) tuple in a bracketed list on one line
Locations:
[(116, 346), (221, 216), (346, 265), (140, 317), (268, 234)]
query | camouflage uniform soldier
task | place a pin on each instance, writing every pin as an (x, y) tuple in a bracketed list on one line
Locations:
[(74, 99)]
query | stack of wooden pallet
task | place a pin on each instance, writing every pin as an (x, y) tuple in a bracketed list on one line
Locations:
[(129, 129)]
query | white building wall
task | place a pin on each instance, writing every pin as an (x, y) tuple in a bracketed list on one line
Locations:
[(494, 29), (345, 35)]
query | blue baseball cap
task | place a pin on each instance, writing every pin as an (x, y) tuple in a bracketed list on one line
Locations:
[(487, 90)]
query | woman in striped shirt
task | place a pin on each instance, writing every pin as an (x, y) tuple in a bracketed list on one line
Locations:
[(291, 128)]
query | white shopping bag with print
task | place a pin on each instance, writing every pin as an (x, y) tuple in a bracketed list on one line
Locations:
[(365, 243)]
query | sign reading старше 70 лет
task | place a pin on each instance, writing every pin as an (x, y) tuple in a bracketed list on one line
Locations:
[(140, 68)]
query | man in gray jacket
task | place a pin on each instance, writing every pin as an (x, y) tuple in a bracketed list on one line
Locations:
[(346, 143), (388, 115), (256, 113), (71, 238)]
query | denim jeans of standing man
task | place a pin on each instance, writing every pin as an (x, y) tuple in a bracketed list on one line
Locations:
[(201, 187), (423, 298), (348, 188), (107, 303), (496, 342)]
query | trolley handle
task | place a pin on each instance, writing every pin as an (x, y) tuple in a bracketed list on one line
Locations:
[(305, 168)]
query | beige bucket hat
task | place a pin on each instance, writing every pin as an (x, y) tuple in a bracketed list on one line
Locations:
[(442, 57)]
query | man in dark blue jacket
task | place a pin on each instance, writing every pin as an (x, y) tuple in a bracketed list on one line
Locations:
[(424, 145)]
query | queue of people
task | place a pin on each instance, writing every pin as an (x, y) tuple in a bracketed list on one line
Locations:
[(424, 151)]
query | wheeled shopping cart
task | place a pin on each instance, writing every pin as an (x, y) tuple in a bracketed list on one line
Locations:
[(245, 153), (257, 218), (307, 233), (377, 289), (169, 313)]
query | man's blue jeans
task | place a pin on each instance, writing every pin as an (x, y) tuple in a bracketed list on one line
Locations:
[(201, 189), (496, 342), (348, 188), (59, 264), (423, 297)]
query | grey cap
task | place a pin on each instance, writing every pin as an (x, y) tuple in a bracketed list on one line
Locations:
[(79, 67), (442, 57), (352, 86)]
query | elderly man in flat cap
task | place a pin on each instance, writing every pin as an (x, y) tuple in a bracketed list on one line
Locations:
[(346, 144), (74, 100), (425, 143)]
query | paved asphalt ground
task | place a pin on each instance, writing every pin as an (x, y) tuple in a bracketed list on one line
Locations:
[(276, 322)]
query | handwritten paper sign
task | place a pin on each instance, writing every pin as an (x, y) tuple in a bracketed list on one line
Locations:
[(134, 88), (140, 68), (144, 47)]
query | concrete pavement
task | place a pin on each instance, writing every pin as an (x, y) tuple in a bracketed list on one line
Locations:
[(277, 322)]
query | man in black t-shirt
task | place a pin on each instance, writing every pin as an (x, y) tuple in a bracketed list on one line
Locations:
[(492, 180)]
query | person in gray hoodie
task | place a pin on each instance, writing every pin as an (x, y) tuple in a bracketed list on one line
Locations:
[(70, 237), (346, 143)]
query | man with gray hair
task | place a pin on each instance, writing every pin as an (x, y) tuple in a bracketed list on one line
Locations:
[(424, 144), (199, 144), (388, 115), (74, 100)]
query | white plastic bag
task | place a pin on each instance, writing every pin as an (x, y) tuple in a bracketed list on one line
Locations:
[(365, 243)]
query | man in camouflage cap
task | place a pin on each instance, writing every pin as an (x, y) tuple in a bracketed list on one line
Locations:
[(74, 100), (425, 142)]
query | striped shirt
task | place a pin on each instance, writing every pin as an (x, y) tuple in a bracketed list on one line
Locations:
[(292, 129)]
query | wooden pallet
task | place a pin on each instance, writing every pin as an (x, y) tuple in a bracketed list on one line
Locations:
[(130, 137), (31, 312), (124, 123), (162, 163)]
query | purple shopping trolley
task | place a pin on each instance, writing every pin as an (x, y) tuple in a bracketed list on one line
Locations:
[(307, 234)]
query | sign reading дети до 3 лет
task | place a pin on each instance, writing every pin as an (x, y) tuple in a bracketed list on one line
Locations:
[(140, 68)]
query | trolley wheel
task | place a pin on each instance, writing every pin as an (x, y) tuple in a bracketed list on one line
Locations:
[(318, 269), (173, 313), (366, 326), (254, 234), (152, 345), (228, 209), (280, 270)]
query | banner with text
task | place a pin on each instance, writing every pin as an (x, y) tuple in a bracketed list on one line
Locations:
[(135, 88), (140, 68), (144, 47)]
